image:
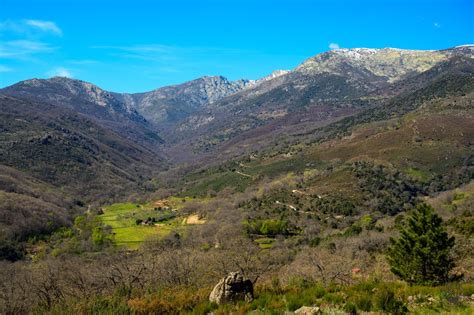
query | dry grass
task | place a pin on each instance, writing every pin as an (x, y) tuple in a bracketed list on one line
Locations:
[(194, 219)]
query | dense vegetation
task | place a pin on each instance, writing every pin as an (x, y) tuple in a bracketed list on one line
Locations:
[(388, 191)]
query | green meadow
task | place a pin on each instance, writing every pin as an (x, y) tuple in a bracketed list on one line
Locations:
[(122, 218)]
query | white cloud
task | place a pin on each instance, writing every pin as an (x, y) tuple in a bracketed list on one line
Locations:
[(436, 25), (59, 72), (151, 52), (23, 49), (45, 26), (334, 46), (5, 69)]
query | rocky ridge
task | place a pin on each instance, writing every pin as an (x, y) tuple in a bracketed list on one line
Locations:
[(391, 64), (171, 103)]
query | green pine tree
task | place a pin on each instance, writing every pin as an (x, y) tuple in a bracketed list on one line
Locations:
[(421, 255)]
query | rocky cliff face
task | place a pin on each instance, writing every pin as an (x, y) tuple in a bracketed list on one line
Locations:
[(172, 103)]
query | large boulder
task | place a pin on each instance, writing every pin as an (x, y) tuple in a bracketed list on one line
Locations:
[(233, 287)]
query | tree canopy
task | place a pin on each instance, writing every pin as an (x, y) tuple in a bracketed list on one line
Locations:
[(421, 254)]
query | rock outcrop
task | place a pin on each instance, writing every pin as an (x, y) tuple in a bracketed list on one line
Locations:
[(170, 104), (233, 287)]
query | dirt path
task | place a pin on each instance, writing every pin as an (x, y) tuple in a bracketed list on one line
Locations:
[(243, 174), (291, 207)]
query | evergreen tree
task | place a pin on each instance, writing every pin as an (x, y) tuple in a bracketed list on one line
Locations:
[(421, 255)]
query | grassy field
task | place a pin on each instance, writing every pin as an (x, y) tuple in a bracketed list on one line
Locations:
[(122, 218), (265, 242)]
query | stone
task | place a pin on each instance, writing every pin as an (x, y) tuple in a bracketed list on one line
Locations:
[(308, 310), (233, 287), (356, 271)]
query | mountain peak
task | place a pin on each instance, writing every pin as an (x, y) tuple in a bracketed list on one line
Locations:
[(273, 75), (213, 78), (465, 45), (81, 95), (67, 87), (172, 103), (389, 63)]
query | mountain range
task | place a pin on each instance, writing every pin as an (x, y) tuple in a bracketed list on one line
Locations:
[(67, 144)]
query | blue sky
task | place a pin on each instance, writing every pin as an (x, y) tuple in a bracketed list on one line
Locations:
[(133, 46)]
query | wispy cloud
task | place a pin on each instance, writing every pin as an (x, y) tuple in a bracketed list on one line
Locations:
[(30, 27), (157, 61), (436, 25), (21, 38), (59, 72), (151, 52), (5, 69), (23, 49), (45, 26), (334, 46)]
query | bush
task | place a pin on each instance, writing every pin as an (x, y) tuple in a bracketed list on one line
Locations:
[(315, 241), (350, 308), (270, 227), (386, 301), (11, 250), (363, 303), (353, 230)]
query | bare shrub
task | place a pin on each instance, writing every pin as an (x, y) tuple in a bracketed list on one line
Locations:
[(15, 295)]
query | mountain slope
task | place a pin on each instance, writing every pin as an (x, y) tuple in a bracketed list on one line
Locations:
[(55, 160), (90, 100), (329, 86), (72, 133), (425, 134)]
